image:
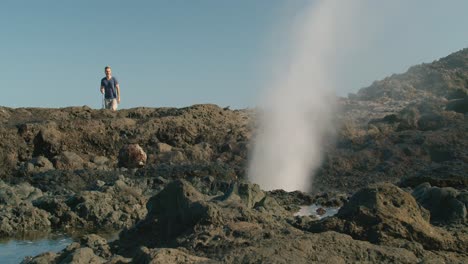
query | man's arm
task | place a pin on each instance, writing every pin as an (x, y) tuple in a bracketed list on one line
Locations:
[(117, 88), (102, 89)]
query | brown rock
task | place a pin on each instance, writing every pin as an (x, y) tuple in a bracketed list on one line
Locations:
[(68, 160), (163, 147), (320, 211), (383, 213), (132, 156)]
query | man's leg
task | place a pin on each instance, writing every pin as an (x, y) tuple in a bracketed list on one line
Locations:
[(108, 103), (114, 104)]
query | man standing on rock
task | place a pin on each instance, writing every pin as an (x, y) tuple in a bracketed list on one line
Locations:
[(111, 90)]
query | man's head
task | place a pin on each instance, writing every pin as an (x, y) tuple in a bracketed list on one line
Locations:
[(108, 71)]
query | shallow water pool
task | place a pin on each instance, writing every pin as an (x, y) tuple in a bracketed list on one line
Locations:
[(15, 250)]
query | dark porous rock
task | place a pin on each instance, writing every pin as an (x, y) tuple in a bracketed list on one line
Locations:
[(61, 214), (13, 195), (132, 156), (200, 152), (458, 105), (17, 214), (48, 141), (446, 204), (91, 249), (168, 255), (174, 210), (246, 225), (38, 165), (321, 211), (112, 207), (83, 255), (163, 147), (449, 174), (43, 258), (296, 198), (22, 218), (180, 208), (68, 160), (384, 213), (98, 244), (172, 157)]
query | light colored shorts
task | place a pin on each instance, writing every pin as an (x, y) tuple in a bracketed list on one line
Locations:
[(111, 104)]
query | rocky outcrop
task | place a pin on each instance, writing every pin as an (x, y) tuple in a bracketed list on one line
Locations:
[(109, 207), (17, 214), (246, 225), (132, 156), (446, 205), (445, 77), (385, 214)]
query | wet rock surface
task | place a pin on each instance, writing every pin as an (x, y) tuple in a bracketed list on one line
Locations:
[(174, 180)]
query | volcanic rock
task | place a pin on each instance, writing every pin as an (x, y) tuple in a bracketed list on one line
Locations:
[(48, 142), (168, 255), (38, 165), (185, 225), (383, 213), (132, 156), (163, 147), (458, 105), (112, 207), (68, 160), (446, 205), (22, 218)]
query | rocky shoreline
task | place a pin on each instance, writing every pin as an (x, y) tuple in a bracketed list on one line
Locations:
[(173, 180)]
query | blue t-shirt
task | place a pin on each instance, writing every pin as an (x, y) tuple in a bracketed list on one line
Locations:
[(109, 87)]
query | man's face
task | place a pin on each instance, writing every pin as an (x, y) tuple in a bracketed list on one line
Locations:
[(108, 72)]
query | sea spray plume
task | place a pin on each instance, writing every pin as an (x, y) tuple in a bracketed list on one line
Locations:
[(296, 114)]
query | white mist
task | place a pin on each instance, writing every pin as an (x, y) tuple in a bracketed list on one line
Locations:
[(296, 112)]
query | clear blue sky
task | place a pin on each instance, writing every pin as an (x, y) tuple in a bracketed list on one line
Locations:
[(179, 53)]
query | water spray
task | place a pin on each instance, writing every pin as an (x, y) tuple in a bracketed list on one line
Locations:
[(296, 113)]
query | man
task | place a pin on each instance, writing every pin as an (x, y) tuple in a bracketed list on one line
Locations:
[(111, 90)]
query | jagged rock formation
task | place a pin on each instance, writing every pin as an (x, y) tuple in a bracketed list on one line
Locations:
[(409, 127), (182, 194), (246, 225)]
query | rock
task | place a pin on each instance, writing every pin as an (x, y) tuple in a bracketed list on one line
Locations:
[(132, 156), (21, 219), (68, 160), (249, 194), (409, 118), (113, 207), (168, 255), (18, 194), (163, 147), (382, 213), (458, 105), (61, 214), (173, 157), (83, 255), (443, 203), (100, 160), (48, 142), (200, 152), (321, 211), (97, 244), (38, 165), (44, 258)]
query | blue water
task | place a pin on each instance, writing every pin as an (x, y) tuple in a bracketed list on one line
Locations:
[(14, 251)]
